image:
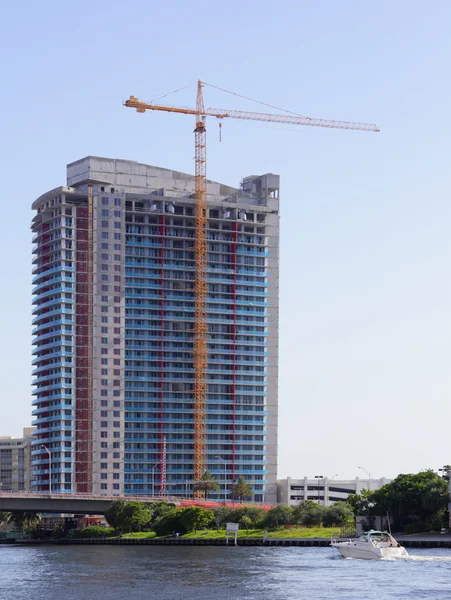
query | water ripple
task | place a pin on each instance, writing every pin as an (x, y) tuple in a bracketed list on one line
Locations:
[(216, 573)]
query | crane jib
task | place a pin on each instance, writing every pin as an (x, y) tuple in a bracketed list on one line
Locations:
[(221, 113)]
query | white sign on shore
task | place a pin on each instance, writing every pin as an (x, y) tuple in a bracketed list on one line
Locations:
[(231, 528)]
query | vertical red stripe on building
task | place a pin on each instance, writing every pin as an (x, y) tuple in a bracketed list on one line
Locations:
[(162, 485), (234, 347), (81, 346), (45, 250)]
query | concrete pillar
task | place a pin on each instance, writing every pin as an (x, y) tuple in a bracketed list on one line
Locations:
[(358, 485)]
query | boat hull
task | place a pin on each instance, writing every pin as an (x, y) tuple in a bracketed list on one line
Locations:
[(352, 550)]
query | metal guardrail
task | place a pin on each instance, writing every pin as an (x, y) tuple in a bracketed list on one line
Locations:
[(348, 530), (90, 497), (63, 496)]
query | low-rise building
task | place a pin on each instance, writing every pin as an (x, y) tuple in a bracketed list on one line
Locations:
[(15, 462), (323, 490)]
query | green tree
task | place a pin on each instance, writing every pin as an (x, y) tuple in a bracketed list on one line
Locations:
[(128, 516), (362, 504), (420, 497), (279, 515), (160, 508), (193, 518), (313, 516), (58, 531), (134, 516), (113, 514), (241, 489), (26, 520), (301, 509), (168, 523), (337, 514), (206, 484), (255, 514), (246, 522), (183, 520), (5, 517), (221, 516)]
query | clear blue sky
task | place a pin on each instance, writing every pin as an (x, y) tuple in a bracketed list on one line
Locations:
[(365, 340)]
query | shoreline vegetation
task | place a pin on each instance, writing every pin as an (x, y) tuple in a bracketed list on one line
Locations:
[(134, 520), (280, 533), (416, 503)]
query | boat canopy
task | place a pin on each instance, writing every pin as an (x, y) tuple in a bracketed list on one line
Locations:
[(376, 535)]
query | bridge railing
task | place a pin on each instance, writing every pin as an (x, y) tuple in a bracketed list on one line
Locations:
[(178, 500), (63, 496)]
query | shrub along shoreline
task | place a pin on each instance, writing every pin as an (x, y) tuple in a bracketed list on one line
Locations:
[(163, 519), (416, 503), (280, 533)]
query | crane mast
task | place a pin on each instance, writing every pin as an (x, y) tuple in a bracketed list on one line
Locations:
[(200, 315), (200, 354)]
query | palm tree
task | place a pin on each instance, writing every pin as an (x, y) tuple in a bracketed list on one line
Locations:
[(207, 483), (26, 520), (241, 489), (5, 517)]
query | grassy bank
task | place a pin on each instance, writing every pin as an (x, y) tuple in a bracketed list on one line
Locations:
[(140, 535), (303, 532)]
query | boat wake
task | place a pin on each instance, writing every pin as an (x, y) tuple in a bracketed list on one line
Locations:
[(429, 558), (408, 558)]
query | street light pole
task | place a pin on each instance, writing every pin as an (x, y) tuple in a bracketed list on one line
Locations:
[(318, 477), (225, 475), (153, 479), (50, 468), (369, 477), (326, 491)]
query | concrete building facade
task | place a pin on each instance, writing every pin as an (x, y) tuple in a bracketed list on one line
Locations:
[(15, 462), (107, 417), (324, 491)]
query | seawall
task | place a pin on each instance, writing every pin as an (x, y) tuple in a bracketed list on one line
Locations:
[(303, 543)]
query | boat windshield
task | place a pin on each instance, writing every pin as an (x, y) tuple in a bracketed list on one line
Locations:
[(380, 536), (375, 536)]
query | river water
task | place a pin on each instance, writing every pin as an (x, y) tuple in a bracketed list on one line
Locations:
[(216, 573)]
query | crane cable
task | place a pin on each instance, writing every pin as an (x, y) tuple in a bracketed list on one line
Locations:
[(173, 92), (257, 101), (233, 94)]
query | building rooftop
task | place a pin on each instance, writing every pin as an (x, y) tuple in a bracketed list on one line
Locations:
[(131, 177)]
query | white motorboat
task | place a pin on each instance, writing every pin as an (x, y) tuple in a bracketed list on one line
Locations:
[(370, 545)]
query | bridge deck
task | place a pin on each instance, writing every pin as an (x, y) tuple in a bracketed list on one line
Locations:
[(91, 505)]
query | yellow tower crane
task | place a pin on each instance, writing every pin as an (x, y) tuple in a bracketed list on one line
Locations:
[(200, 327)]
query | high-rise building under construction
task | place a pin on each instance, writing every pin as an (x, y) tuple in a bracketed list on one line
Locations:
[(114, 312)]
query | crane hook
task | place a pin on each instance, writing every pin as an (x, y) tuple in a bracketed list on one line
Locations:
[(220, 130)]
